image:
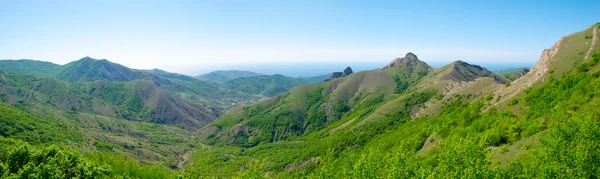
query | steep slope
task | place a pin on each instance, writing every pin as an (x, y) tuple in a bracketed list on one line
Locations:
[(30, 67), (226, 75), (147, 102), (548, 129), (88, 70), (135, 100), (410, 59), (266, 85), (310, 108), (568, 52), (457, 78)]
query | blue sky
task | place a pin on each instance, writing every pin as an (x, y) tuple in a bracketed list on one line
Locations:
[(192, 37)]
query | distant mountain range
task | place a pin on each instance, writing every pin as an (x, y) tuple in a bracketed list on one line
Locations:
[(93, 118), (159, 96), (258, 84), (227, 75)]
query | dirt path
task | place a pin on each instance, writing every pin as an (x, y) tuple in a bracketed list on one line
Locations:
[(186, 158), (594, 40)]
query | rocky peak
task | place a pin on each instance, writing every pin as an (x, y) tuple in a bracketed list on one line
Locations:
[(409, 59), (463, 71), (347, 71), (335, 75)]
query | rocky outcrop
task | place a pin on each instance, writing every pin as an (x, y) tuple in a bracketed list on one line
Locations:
[(335, 75), (535, 74), (347, 71), (410, 59)]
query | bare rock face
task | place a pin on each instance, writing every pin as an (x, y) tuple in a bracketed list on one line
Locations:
[(335, 75), (409, 59), (347, 71)]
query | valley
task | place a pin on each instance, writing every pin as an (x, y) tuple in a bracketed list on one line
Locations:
[(93, 118)]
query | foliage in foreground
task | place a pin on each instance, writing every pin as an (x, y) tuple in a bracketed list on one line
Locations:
[(21, 160)]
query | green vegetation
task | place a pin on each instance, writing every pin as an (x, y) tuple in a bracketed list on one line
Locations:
[(30, 67), (225, 76), (21, 160), (366, 125), (470, 140), (264, 85)]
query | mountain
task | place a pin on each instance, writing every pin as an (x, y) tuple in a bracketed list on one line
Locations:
[(226, 75), (310, 108), (270, 85), (405, 120), (518, 73), (437, 123), (315, 79), (508, 70), (166, 74), (462, 71), (31, 67), (266, 85), (335, 75), (88, 69), (136, 100)]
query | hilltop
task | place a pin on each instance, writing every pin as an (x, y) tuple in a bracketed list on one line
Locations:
[(428, 120)]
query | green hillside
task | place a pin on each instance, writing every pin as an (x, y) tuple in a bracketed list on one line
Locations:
[(315, 79), (91, 142), (226, 75), (31, 67), (136, 100), (264, 85), (310, 108), (457, 121), (89, 70), (97, 119)]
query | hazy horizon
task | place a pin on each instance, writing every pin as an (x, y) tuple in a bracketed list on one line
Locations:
[(191, 37)]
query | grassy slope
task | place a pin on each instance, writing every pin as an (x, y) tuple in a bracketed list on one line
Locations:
[(135, 100), (388, 145), (93, 135), (89, 70), (479, 139), (310, 108)]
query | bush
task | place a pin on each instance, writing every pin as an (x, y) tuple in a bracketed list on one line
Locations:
[(513, 102)]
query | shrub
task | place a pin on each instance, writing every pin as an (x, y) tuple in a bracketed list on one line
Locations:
[(513, 102)]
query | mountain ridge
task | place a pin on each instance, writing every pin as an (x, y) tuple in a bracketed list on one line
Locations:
[(227, 75)]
